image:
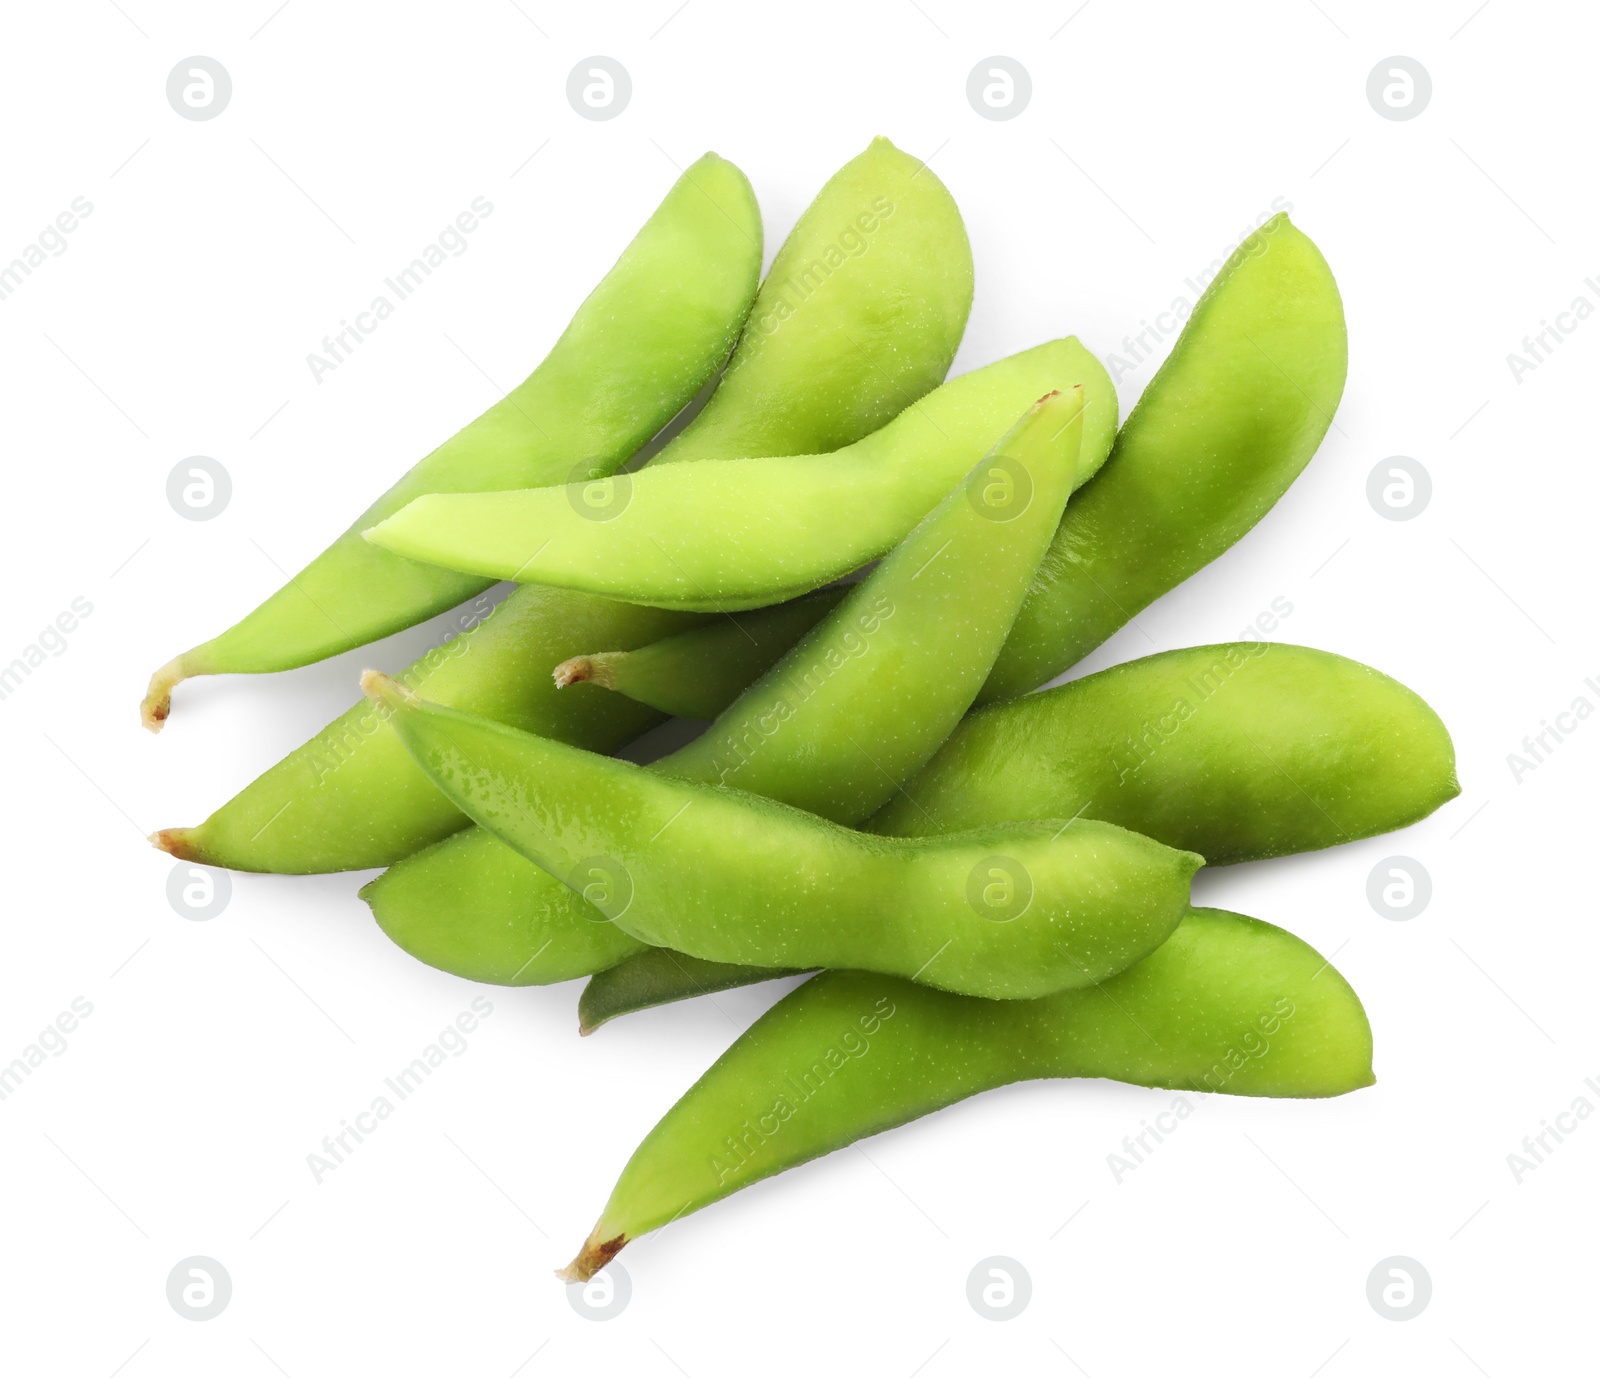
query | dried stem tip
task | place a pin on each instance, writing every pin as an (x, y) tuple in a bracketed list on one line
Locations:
[(592, 1258)]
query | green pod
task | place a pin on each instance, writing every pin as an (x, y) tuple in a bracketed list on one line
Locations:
[(1238, 751), (859, 316), (352, 797), (748, 533), (698, 673), (377, 807), (463, 905), (639, 348), (644, 978), (1011, 911), (1228, 1004), (857, 707), (1222, 430)]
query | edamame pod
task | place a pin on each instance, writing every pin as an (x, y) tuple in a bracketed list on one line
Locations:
[(1222, 430), (352, 797), (376, 807), (858, 706), (1227, 1004), (639, 348), (859, 316), (743, 534), (698, 673), (1012, 911), (645, 978), (1239, 751)]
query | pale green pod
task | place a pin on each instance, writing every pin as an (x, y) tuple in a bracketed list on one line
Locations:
[(1230, 419), (859, 316), (641, 345), (1227, 1004), (742, 534), (1012, 911)]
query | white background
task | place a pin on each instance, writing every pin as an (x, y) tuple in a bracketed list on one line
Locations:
[(177, 322)]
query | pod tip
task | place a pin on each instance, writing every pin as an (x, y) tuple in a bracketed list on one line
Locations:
[(177, 842), (592, 1258), (157, 702)]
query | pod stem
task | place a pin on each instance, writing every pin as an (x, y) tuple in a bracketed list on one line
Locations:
[(598, 669), (592, 1258), (157, 702), (386, 691), (179, 842)]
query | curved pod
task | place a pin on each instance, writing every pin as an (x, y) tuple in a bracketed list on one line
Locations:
[(640, 347), (743, 534), (1230, 419), (1228, 1004)]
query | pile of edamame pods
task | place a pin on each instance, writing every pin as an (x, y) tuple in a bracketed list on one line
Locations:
[(994, 881)]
